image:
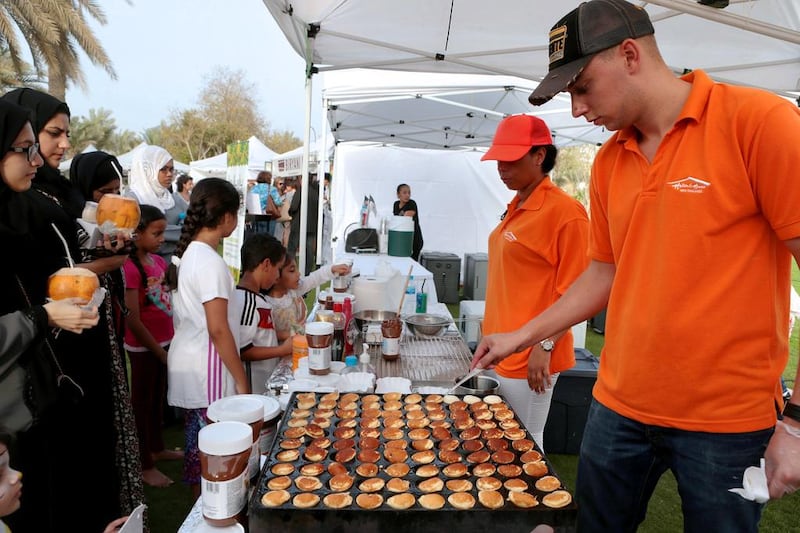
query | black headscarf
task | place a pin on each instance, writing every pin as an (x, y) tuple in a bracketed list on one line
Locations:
[(12, 119), (92, 170), (43, 107)]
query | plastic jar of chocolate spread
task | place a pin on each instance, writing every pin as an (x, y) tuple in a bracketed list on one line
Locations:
[(390, 338), (224, 454), (246, 408), (320, 337)]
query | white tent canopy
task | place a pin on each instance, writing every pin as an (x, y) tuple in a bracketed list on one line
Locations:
[(290, 163), (217, 166), (751, 42), (124, 159), (429, 110)]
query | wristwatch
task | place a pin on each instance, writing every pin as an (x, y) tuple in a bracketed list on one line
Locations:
[(792, 411), (547, 345)]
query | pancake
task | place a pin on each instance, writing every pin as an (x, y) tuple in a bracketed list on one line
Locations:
[(458, 405), (391, 396), (462, 500), (449, 444), (300, 413), (397, 470), (414, 408), (488, 483), (367, 470), (347, 423), (455, 470), (306, 403), (503, 414), (431, 501), (401, 501), (434, 398), (450, 399), (338, 500), (478, 406), (315, 454), (314, 431), (394, 423), (370, 398), (369, 456), (282, 469), (369, 501), (393, 414), (433, 484), (503, 457), (371, 405), (427, 471), (556, 499), (373, 484), (535, 469), (327, 404), (344, 443), (523, 500), (470, 399), (370, 433), (321, 442), (472, 446), (497, 445), (321, 421), (294, 432), (397, 485), (440, 424), (346, 413), (483, 470), (482, 414), (370, 412), (440, 433), (290, 444), (548, 483), (424, 444), (304, 500), (307, 483), (413, 398), (392, 405), (470, 434), (491, 499), (396, 444), (497, 406), (424, 457), (329, 397), (345, 455), (347, 406), (340, 482), (313, 469), (481, 456), (458, 485), (509, 470), (369, 443), (437, 414), (395, 455), (463, 422), (515, 485), (449, 457), (287, 455), (515, 433), (274, 498), (486, 424), (509, 424), (393, 434), (344, 433), (531, 456), (279, 483), (349, 397), (414, 414), (369, 423), (523, 445), (323, 413), (492, 399), (335, 469)]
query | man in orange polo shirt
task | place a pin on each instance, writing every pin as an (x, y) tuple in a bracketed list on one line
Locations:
[(535, 253), (694, 223)]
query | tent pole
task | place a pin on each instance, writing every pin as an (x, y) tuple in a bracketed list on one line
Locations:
[(301, 246), (322, 159)]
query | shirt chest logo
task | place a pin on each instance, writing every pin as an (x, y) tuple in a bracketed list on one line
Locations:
[(265, 319), (509, 236), (690, 185)]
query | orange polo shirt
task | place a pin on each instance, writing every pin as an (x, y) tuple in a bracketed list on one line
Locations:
[(697, 322), (535, 254)]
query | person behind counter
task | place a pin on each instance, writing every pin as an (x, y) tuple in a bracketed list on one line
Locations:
[(528, 273), (183, 191), (405, 206)]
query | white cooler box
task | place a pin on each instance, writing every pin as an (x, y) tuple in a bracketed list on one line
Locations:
[(470, 314)]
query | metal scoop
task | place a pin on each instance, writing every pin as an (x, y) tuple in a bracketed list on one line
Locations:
[(466, 378)]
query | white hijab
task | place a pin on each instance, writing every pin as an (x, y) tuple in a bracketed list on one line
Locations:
[(144, 177)]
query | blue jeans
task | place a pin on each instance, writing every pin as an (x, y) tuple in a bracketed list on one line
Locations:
[(621, 461)]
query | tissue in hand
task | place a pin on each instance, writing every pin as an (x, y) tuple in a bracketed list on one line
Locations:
[(754, 484)]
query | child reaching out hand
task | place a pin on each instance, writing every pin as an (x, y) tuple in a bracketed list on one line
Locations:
[(262, 257), (289, 309)]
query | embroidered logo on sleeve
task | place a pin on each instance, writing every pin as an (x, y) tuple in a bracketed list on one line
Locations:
[(509, 236), (690, 185)]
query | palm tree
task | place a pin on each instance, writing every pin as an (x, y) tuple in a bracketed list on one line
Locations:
[(54, 31)]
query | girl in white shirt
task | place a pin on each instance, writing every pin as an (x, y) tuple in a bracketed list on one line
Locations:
[(203, 362)]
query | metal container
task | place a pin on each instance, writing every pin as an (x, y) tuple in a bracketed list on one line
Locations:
[(369, 316), (478, 386), (425, 324)]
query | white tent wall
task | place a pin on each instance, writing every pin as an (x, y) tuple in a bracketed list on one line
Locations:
[(460, 198)]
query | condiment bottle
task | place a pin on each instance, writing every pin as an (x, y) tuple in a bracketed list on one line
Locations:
[(339, 322), (319, 336), (224, 454), (350, 364), (329, 302), (364, 364), (390, 338), (245, 408), (299, 349)]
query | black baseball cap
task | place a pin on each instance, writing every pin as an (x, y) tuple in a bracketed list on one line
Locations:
[(591, 27)]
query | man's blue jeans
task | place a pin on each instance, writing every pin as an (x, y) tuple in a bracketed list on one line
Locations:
[(621, 461)]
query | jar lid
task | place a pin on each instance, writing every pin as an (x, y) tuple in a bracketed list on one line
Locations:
[(319, 328), (240, 408), (271, 406), (225, 438)]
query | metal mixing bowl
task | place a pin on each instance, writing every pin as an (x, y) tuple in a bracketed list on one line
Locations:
[(426, 324), (478, 386), (368, 316)]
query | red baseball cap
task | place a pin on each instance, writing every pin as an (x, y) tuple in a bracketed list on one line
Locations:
[(515, 136)]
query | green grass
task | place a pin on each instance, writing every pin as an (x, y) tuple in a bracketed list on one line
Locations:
[(168, 507)]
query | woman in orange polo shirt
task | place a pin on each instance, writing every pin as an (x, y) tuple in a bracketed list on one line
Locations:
[(535, 253)]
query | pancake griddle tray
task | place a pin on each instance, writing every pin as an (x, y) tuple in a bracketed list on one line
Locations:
[(290, 519)]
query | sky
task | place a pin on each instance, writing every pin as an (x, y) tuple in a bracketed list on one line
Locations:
[(162, 50)]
